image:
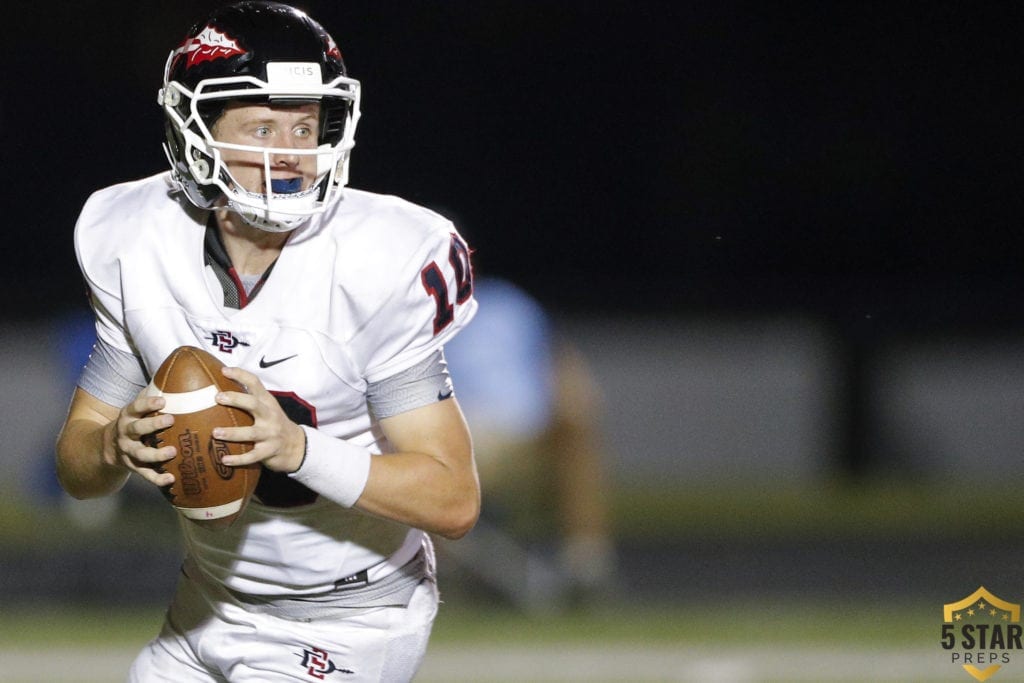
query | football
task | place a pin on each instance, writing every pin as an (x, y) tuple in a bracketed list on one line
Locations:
[(205, 490)]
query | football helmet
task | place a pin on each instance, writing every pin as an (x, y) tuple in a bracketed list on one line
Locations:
[(265, 53)]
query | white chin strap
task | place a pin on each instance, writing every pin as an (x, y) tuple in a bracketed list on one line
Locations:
[(283, 213), (282, 210)]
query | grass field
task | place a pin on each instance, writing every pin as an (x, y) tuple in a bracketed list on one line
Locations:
[(834, 638), (717, 641)]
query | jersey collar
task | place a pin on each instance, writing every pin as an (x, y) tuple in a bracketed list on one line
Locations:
[(216, 257)]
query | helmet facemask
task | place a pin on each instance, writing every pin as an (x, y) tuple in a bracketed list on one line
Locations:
[(197, 159)]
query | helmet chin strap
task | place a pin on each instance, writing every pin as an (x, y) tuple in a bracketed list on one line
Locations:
[(278, 218)]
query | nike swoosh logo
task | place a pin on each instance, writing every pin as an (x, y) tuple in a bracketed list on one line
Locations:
[(264, 363), (443, 395)]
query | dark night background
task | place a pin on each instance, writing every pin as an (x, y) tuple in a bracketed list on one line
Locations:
[(854, 161), (643, 167)]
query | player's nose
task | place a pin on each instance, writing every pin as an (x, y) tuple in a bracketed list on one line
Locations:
[(286, 159)]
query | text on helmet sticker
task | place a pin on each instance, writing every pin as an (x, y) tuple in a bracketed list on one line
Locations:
[(284, 75)]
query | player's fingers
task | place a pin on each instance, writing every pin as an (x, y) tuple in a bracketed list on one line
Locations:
[(237, 399), (250, 381), (144, 405), (153, 476), (265, 445), (251, 457), (145, 460), (137, 429), (136, 454), (235, 434)]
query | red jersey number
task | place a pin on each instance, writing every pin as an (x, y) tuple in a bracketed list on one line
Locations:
[(436, 283)]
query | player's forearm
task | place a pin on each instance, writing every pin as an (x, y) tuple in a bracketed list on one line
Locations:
[(82, 468), (435, 493), (423, 492)]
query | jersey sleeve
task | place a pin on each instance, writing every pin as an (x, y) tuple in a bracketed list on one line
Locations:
[(431, 301), (114, 377), (101, 271)]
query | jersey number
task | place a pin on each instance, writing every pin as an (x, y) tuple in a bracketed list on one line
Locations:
[(277, 488), (436, 284)]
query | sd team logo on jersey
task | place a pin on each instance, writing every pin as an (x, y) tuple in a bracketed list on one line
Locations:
[(982, 633)]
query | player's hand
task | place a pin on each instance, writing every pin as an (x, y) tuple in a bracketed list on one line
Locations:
[(126, 436), (277, 442)]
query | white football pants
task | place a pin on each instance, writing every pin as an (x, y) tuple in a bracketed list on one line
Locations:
[(205, 640)]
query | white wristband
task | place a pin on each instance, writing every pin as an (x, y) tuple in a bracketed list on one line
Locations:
[(334, 468)]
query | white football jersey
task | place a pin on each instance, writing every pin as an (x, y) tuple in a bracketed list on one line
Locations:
[(365, 290)]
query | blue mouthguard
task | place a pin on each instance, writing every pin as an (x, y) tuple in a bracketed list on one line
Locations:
[(285, 185)]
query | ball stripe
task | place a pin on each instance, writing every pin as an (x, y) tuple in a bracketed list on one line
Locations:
[(188, 401), (215, 512)]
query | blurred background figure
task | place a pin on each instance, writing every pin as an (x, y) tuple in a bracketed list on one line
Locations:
[(545, 539), (71, 336)]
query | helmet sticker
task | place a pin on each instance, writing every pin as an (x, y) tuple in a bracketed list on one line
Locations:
[(208, 45), (332, 48)]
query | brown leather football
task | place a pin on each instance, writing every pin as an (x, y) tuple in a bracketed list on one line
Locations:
[(205, 490)]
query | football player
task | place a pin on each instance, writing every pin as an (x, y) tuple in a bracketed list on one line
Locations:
[(332, 307)]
